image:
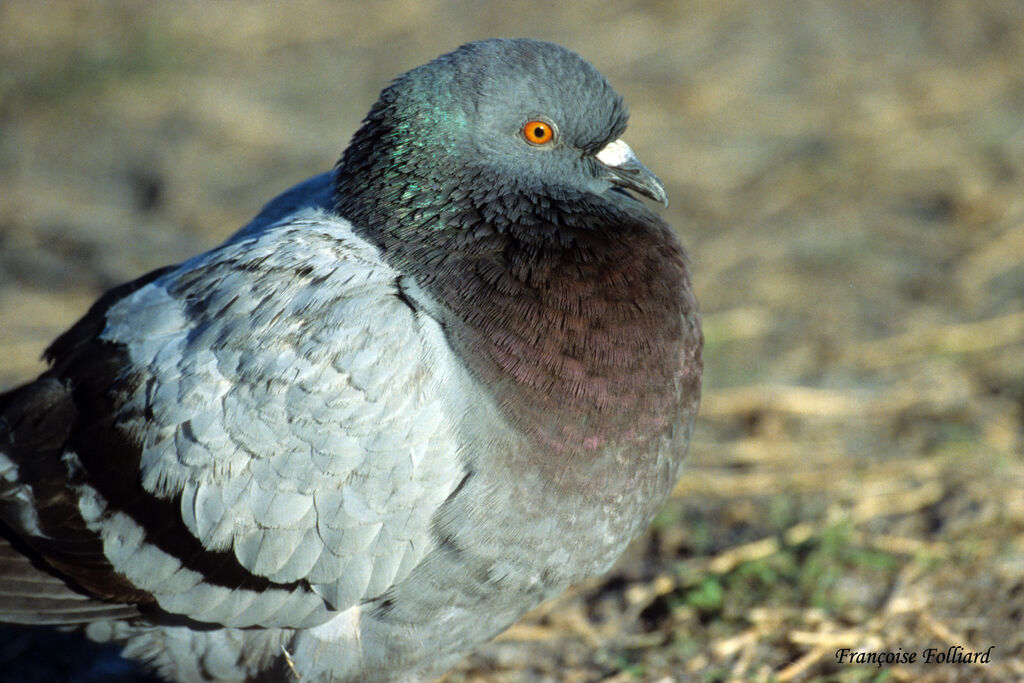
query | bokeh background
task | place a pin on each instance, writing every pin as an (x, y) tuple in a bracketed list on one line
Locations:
[(847, 177)]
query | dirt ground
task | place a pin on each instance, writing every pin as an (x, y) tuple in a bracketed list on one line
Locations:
[(847, 177)]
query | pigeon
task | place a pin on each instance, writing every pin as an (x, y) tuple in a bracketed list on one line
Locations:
[(413, 398)]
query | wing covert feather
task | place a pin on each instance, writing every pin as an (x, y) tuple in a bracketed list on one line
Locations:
[(296, 407)]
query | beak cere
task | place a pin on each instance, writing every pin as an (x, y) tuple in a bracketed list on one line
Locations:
[(622, 168)]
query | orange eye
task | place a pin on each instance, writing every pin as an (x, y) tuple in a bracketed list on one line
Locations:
[(538, 132)]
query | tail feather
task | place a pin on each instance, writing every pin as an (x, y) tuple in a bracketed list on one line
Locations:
[(30, 595), (33, 421)]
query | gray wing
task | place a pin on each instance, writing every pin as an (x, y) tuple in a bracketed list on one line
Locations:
[(310, 198), (276, 436)]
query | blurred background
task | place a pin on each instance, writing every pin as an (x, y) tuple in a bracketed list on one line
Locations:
[(847, 178)]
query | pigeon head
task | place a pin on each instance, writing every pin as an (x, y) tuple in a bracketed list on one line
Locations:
[(495, 180), (509, 122)]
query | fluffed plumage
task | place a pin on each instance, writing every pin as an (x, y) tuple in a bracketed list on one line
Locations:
[(413, 398)]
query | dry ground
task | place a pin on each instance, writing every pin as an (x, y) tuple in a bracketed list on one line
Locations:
[(848, 179)]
